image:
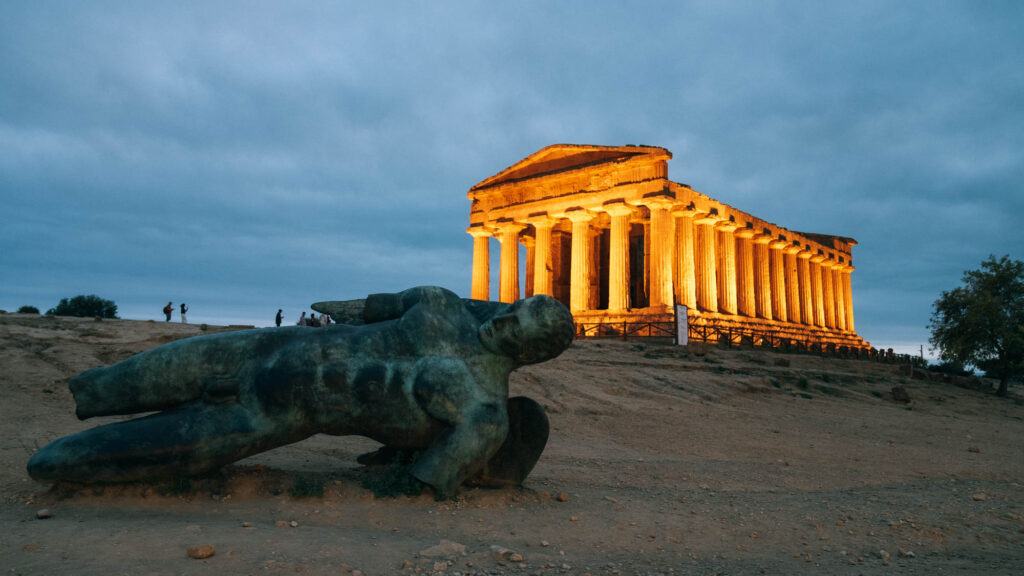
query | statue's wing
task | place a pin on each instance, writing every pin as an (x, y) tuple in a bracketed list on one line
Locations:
[(342, 311)]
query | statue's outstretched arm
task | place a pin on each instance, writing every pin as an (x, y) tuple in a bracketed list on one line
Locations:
[(385, 306), (343, 311)]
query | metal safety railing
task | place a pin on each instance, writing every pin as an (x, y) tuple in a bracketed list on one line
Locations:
[(736, 336)]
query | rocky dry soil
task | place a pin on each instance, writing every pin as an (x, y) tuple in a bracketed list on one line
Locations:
[(662, 460)]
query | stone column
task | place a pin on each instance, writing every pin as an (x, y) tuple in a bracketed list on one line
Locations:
[(829, 293), (481, 287), (726, 267), (817, 292), (848, 295), (530, 243), (837, 286), (508, 277), (792, 284), (763, 277), (806, 293), (618, 255), (745, 293), (542, 268), (662, 234), (706, 263), (685, 284), (778, 274), (580, 266)]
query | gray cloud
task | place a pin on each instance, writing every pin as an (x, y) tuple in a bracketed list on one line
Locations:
[(251, 156)]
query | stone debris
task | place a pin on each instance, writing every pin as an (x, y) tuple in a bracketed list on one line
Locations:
[(201, 552), (979, 497), (44, 514), (884, 556), (445, 548), (501, 553), (562, 497)]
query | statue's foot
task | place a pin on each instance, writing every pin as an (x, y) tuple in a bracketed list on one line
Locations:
[(527, 435)]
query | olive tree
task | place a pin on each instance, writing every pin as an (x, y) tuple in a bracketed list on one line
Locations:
[(84, 306), (981, 322)]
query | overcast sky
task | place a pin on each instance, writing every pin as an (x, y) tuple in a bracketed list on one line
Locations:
[(245, 157)]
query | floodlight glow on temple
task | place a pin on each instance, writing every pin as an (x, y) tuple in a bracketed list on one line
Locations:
[(608, 234)]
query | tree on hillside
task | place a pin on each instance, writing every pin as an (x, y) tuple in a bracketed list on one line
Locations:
[(981, 323), (28, 310), (84, 306)]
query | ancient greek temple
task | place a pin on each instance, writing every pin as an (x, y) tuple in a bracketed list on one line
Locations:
[(607, 233)]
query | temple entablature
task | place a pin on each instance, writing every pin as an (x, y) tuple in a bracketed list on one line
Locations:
[(607, 233)]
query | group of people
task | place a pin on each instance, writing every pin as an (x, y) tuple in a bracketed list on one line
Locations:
[(169, 309), (314, 319)]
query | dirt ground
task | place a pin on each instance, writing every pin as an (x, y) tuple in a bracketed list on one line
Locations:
[(661, 460)]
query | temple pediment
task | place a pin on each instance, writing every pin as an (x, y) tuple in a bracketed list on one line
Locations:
[(565, 157)]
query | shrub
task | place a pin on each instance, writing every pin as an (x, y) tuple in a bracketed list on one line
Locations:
[(85, 306), (28, 310)]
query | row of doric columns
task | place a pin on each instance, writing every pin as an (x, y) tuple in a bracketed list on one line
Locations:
[(699, 259)]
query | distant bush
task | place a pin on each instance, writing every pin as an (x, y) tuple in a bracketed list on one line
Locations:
[(952, 368), (84, 307), (28, 310)]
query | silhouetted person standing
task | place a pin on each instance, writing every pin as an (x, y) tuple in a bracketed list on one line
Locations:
[(167, 311), (183, 310), (277, 319)]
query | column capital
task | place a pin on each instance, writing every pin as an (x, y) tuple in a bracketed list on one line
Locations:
[(527, 241), (618, 208), (744, 232), (763, 238), (658, 202), (541, 220), (578, 215), (792, 249), (508, 226), (778, 244), (804, 254), (709, 218), (817, 258), (480, 231), (688, 211)]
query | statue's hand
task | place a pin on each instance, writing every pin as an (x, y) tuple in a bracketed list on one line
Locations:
[(343, 311)]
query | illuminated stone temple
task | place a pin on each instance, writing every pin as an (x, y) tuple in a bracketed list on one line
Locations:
[(607, 233)]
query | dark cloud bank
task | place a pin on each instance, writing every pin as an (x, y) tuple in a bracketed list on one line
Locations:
[(246, 157)]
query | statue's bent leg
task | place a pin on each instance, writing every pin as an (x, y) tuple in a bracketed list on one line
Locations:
[(462, 450), (187, 441), (170, 375), (528, 430)]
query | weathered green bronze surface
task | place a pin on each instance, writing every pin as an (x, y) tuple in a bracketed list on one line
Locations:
[(425, 370)]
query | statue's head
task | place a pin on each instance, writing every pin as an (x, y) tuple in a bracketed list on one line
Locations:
[(530, 331)]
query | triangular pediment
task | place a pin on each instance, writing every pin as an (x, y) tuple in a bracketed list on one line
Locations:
[(562, 157)]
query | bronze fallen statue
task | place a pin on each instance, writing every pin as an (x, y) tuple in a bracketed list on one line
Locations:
[(421, 370)]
